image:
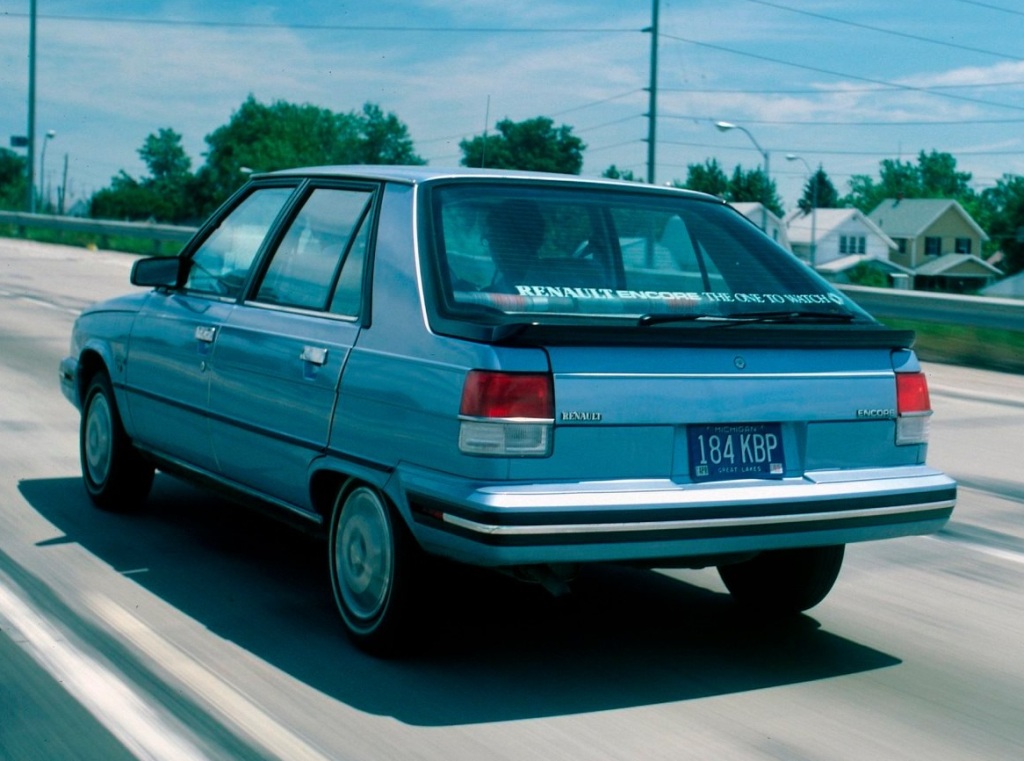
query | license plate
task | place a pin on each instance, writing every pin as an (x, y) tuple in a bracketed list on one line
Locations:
[(723, 452)]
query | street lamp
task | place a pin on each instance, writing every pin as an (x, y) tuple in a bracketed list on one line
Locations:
[(50, 134), (814, 203), (725, 127)]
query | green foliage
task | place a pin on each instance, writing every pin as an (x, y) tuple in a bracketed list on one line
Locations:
[(265, 138), (865, 274), (934, 176), (258, 137), (954, 344), (754, 186), (165, 195), (744, 186), (533, 144), (166, 159), (1002, 209), (13, 180), (614, 173), (708, 177), (819, 192)]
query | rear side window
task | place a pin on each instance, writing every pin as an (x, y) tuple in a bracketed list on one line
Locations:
[(550, 251), (322, 249)]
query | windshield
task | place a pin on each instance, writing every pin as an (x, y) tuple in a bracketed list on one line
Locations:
[(534, 252)]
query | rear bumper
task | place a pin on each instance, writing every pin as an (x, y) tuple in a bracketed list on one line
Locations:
[(511, 524)]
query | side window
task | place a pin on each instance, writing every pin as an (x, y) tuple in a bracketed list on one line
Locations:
[(348, 294), (324, 234), (221, 264)]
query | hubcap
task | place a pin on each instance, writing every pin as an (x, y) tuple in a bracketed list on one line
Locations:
[(98, 439), (363, 554)]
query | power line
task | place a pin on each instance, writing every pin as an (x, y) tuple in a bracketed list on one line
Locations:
[(882, 30), (137, 21), (824, 152), (991, 7), (833, 73), (835, 90), (600, 102), (833, 123)]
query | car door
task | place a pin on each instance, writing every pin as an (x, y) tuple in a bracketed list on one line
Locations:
[(172, 340), (279, 356)]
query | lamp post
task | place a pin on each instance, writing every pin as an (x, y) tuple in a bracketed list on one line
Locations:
[(50, 134), (725, 127), (814, 203)]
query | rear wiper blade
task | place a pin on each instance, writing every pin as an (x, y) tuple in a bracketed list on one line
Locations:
[(660, 319), (789, 316), (748, 318)]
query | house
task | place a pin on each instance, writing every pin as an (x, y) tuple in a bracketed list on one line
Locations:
[(861, 269), (773, 227), (1008, 288), (955, 273), (827, 235), (938, 240)]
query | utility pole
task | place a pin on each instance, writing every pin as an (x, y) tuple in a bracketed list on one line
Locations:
[(652, 108), (31, 201)]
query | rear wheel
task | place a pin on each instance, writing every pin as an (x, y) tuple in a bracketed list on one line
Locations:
[(372, 558), (784, 581), (115, 475)]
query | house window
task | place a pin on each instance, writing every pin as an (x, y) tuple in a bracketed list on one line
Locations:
[(852, 244), (932, 246), (963, 246), (902, 244)]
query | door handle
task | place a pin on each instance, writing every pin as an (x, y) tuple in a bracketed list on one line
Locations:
[(316, 355), (206, 333)]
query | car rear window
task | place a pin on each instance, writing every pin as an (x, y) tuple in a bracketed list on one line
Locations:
[(538, 251)]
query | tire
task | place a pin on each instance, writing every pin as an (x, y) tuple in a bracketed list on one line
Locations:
[(373, 563), (115, 475), (783, 582)]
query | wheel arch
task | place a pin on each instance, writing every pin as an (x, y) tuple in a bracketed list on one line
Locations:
[(90, 362), (331, 477)]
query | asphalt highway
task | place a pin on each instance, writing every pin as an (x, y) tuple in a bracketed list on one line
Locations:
[(197, 630)]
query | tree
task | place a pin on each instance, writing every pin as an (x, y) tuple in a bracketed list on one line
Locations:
[(382, 139), (164, 156), (819, 192), (1005, 219), (165, 195), (282, 135), (754, 186), (614, 173), (708, 177), (13, 179), (534, 144), (940, 179), (934, 176)]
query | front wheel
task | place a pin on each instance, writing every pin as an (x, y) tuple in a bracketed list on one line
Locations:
[(784, 581), (372, 558), (116, 477)]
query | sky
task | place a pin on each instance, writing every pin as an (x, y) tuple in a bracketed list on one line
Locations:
[(843, 84)]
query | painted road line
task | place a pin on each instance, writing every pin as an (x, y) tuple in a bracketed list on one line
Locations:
[(124, 712)]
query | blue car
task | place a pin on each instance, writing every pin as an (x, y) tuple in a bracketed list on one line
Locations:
[(521, 371)]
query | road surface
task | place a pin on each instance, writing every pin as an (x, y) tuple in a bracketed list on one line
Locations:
[(197, 630)]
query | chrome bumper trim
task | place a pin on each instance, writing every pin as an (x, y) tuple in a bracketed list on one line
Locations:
[(684, 525)]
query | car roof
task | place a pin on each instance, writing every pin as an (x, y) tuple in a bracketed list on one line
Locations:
[(416, 175)]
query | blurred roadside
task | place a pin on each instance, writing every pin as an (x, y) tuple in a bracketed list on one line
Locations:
[(964, 382), (986, 348)]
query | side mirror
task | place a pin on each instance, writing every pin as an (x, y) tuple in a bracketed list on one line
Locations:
[(159, 271)]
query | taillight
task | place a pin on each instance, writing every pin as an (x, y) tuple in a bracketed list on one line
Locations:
[(913, 408), (506, 414)]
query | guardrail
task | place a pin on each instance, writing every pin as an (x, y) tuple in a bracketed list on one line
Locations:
[(947, 308), (101, 228)]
